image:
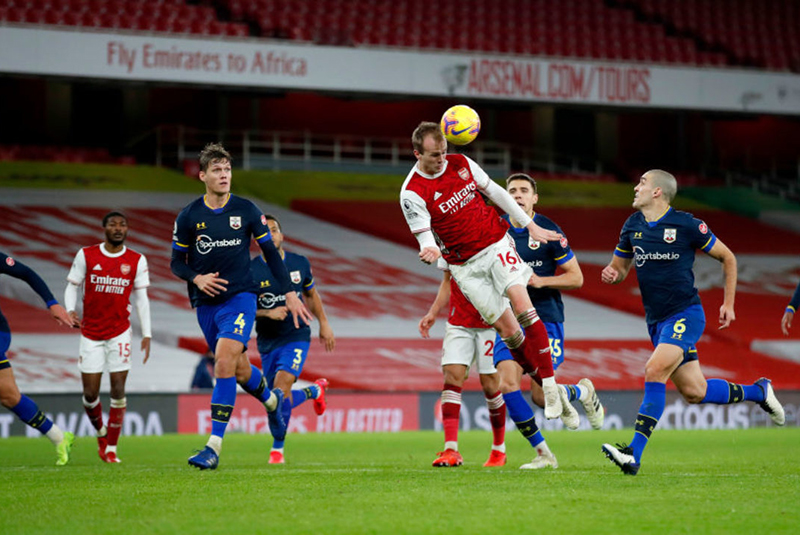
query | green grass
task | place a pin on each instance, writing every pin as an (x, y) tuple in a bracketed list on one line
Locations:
[(691, 482)]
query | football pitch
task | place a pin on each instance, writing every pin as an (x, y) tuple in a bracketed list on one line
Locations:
[(738, 481)]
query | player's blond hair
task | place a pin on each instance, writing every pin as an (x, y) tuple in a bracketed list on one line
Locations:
[(212, 153), (665, 181), (425, 129)]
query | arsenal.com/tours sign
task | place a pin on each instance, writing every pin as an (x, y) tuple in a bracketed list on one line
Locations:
[(256, 63)]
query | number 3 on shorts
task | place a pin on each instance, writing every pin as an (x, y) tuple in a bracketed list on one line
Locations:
[(298, 358)]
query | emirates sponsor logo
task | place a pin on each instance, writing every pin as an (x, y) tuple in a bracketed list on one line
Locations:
[(459, 199)]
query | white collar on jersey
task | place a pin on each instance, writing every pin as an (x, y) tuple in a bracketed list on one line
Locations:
[(425, 175), (112, 255)]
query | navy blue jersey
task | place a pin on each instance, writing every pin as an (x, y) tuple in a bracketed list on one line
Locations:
[(543, 258), (218, 240), (271, 333), (663, 252), (20, 271), (794, 304)]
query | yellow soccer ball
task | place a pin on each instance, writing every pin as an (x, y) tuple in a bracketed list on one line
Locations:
[(460, 125)]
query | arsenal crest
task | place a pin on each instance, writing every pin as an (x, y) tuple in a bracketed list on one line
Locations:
[(463, 173), (670, 234), (236, 222), (533, 244), (125, 268), (296, 277)]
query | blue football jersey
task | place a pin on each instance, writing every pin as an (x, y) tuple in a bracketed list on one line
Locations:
[(271, 333), (663, 253), (218, 240), (543, 258)]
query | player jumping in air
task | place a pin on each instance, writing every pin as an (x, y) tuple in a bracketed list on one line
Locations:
[(444, 210), (661, 241)]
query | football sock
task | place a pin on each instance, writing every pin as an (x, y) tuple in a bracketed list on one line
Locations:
[(537, 343), (27, 411), (722, 392), (497, 416), (301, 396), (287, 415), (574, 392), (222, 401), (256, 386), (55, 435), (655, 397), (514, 345), (116, 414), (451, 409), (94, 411), (523, 416)]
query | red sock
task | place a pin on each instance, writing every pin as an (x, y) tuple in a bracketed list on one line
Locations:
[(451, 407), (537, 344), (497, 415), (95, 413), (115, 416)]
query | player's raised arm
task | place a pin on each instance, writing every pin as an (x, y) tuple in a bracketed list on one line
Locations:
[(20, 271), (720, 252)]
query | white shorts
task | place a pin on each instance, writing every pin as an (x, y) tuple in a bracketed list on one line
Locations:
[(485, 278), (97, 356), (468, 346)]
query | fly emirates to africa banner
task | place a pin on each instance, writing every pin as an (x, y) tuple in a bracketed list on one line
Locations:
[(261, 63)]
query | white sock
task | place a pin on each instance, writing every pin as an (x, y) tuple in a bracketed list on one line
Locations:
[(215, 443), (111, 449), (547, 381), (55, 435), (581, 392), (103, 431), (499, 447), (272, 402), (542, 449), (451, 446), (279, 450)]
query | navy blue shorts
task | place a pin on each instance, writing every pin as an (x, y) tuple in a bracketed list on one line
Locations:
[(289, 358), (232, 319), (555, 332), (683, 330)]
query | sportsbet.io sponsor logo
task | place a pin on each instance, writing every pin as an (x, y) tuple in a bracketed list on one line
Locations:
[(205, 244), (640, 256), (268, 300)]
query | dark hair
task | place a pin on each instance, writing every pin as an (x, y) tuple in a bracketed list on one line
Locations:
[(213, 152), (113, 214), (273, 218), (522, 176), (425, 128)]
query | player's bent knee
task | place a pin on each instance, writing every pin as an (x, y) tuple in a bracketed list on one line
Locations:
[(10, 398), (693, 395)]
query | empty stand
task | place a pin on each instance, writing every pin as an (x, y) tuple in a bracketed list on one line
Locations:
[(61, 154)]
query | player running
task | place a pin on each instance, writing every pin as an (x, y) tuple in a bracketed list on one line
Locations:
[(11, 398), (544, 288), (109, 272), (210, 250), (444, 211), (662, 242), (283, 347), (468, 341)]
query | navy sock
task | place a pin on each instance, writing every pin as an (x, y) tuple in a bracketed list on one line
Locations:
[(572, 392), (28, 411), (287, 415), (522, 414), (256, 386), (655, 398), (298, 397), (722, 392), (222, 401)]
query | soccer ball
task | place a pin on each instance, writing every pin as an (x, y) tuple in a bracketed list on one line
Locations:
[(460, 125)]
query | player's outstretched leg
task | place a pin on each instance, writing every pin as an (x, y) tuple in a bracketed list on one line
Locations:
[(721, 392), (451, 410), (629, 458), (277, 418), (223, 400), (587, 395), (256, 386), (522, 415), (527, 354), (497, 417), (28, 411)]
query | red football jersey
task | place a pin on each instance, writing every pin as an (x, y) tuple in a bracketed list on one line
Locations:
[(451, 206), (462, 313), (108, 281)]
